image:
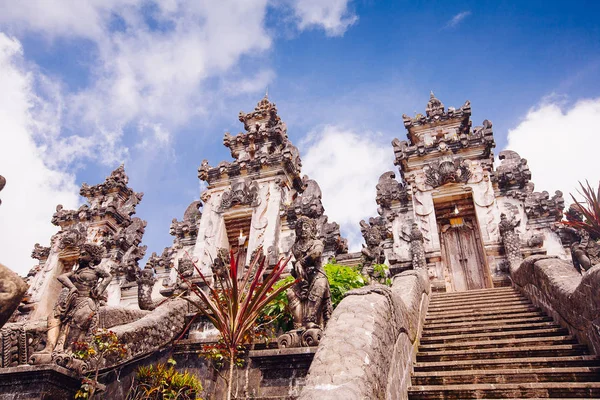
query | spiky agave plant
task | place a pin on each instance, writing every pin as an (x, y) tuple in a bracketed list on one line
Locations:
[(590, 211), (236, 300)]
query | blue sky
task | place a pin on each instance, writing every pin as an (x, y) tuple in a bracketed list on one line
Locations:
[(88, 85)]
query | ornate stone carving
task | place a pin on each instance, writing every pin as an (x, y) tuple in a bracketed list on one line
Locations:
[(510, 240), (310, 298), (374, 233), (146, 280), (435, 108), (220, 265), (389, 190), (264, 145), (75, 315), (181, 286), (186, 231), (417, 247), (446, 170), (242, 192), (541, 205), (585, 251), (513, 172), (309, 202), (40, 252)]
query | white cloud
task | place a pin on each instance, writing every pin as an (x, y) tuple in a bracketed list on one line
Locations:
[(152, 59), (347, 166), (333, 16), (457, 19), (560, 144), (33, 189)]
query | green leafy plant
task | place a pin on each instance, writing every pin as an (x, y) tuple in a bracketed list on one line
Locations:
[(104, 345), (236, 301), (162, 382), (381, 274), (276, 313), (590, 210), (342, 279)]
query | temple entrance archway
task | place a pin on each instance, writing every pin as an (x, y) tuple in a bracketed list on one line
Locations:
[(461, 245)]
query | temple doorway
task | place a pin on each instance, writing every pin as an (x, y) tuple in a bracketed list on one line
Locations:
[(461, 245)]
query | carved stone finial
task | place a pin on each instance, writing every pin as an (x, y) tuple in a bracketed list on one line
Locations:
[(417, 247), (435, 108), (510, 240)]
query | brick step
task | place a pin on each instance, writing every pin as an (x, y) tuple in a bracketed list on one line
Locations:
[(479, 299), (507, 390), (469, 320), (499, 310), (548, 374), (432, 334), (479, 304), (443, 328), (507, 363), (503, 352), (500, 334), (499, 343)]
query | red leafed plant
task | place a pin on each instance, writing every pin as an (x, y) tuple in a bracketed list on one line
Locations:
[(236, 300), (590, 211)]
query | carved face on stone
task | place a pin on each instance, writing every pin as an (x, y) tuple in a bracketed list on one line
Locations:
[(90, 254), (306, 228)]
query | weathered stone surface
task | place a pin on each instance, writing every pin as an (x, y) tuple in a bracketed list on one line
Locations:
[(368, 346), (12, 289), (568, 296), (38, 382)]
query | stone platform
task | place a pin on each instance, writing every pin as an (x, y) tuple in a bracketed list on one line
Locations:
[(38, 382)]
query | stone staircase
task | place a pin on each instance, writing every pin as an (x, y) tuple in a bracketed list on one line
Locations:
[(494, 343)]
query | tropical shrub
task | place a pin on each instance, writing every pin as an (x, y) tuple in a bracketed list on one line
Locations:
[(104, 345), (589, 210), (162, 382), (236, 301), (342, 279)]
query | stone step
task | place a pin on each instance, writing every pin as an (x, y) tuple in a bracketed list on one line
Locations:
[(432, 334), (470, 320), (478, 299), (503, 352), (507, 363), (525, 319), (487, 336), (481, 304), (512, 375), (499, 343), (500, 310), (473, 294), (507, 390), (476, 291)]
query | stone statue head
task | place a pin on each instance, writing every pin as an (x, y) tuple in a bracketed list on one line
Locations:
[(90, 255), (306, 228)]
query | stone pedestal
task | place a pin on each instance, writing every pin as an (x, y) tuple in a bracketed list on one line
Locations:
[(35, 382), (282, 371)]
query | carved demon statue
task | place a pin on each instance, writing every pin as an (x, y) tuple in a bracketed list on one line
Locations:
[(75, 315), (310, 298)]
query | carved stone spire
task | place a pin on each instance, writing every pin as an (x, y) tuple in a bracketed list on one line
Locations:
[(435, 108)]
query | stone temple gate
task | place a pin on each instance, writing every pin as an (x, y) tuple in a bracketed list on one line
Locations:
[(454, 226), (450, 198)]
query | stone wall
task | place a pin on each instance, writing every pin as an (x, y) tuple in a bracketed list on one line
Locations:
[(371, 342), (569, 297)]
